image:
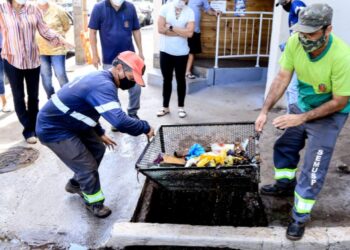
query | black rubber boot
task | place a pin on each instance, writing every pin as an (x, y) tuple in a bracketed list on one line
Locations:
[(275, 190), (73, 187), (295, 230), (99, 210)]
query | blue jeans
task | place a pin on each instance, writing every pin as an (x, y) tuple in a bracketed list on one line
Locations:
[(2, 83), (134, 96), (58, 63)]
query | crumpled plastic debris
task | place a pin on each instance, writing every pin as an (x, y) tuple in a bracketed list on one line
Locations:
[(159, 159), (195, 151)]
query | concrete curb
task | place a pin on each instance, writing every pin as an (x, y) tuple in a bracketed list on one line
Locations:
[(151, 234)]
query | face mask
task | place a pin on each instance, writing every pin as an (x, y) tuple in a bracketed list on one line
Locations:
[(179, 4), (21, 1), (125, 83), (41, 2), (310, 45), (118, 2), (287, 6)]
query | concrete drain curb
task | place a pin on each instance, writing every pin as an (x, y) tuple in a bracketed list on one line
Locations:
[(148, 234)]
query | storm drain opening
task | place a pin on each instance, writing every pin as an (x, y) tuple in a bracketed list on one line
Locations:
[(221, 207), (17, 157), (216, 187)]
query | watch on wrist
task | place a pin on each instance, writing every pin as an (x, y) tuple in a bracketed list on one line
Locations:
[(171, 28)]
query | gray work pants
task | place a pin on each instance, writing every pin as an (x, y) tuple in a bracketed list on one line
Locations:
[(82, 154)]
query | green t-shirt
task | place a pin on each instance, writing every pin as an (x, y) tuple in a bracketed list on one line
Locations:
[(320, 77)]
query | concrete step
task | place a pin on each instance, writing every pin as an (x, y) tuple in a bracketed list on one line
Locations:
[(221, 76), (155, 78)]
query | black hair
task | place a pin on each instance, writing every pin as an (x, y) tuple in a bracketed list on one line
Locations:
[(117, 61), (10, 1), (325, 27)]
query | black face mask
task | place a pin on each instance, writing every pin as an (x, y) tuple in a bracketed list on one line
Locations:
[(125, 83), (287, 6)]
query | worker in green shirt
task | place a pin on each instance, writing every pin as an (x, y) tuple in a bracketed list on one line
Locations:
[(322, 64)]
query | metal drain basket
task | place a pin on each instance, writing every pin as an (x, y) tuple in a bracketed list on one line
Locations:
[(173, 177)]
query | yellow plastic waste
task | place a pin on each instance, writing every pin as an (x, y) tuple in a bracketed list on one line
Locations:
[(212, 164), (204, 161), (212, 158)]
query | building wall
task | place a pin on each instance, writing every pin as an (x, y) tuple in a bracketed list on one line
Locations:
[(208, 29), (208, 25)]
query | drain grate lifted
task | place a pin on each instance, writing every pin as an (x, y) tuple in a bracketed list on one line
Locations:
[(206, 195), (170, 138), (16, 158)]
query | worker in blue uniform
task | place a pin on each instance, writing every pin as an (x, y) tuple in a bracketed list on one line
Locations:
[(68, 124)]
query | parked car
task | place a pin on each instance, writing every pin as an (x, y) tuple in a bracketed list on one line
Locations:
[(68, 6), (145, 8), (141, 16)]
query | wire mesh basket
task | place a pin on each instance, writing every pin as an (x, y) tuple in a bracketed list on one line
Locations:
[(174, 177)]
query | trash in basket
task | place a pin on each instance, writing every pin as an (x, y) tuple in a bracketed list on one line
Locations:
[(233, 160)]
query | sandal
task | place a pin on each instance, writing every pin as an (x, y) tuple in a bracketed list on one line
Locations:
[(163, 112), (5, 109), (182, 113), (190, 76)]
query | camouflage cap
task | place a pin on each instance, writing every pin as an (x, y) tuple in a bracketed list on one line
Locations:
[(313, 18), (282, 2)]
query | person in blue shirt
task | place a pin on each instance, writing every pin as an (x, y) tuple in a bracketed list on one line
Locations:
[(117, 23), (68, 124), (194, 42), (293, 7)]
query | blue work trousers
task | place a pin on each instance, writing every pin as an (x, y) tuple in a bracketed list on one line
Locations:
[(321, 135)]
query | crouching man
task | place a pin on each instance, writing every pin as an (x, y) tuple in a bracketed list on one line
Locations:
[(68, 124), (322, 63)]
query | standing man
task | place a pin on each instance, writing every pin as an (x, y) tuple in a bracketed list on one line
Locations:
[(52, 57), (117, 23), (322, 63), (293, 7), (194, 42), (68, 124)]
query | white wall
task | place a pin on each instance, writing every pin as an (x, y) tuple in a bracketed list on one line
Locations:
[(157, 4), (341, 23)]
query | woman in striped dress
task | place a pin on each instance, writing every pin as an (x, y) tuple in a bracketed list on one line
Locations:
[(19, 22)]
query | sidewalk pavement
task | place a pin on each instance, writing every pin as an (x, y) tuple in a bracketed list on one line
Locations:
[(35, 210)]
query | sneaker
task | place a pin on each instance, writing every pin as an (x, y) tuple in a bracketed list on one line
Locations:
[(190, 76), (275, 190), (182, 113), (99, 210), (295, 230), (163, 112), (73, 187), (32, 140)]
